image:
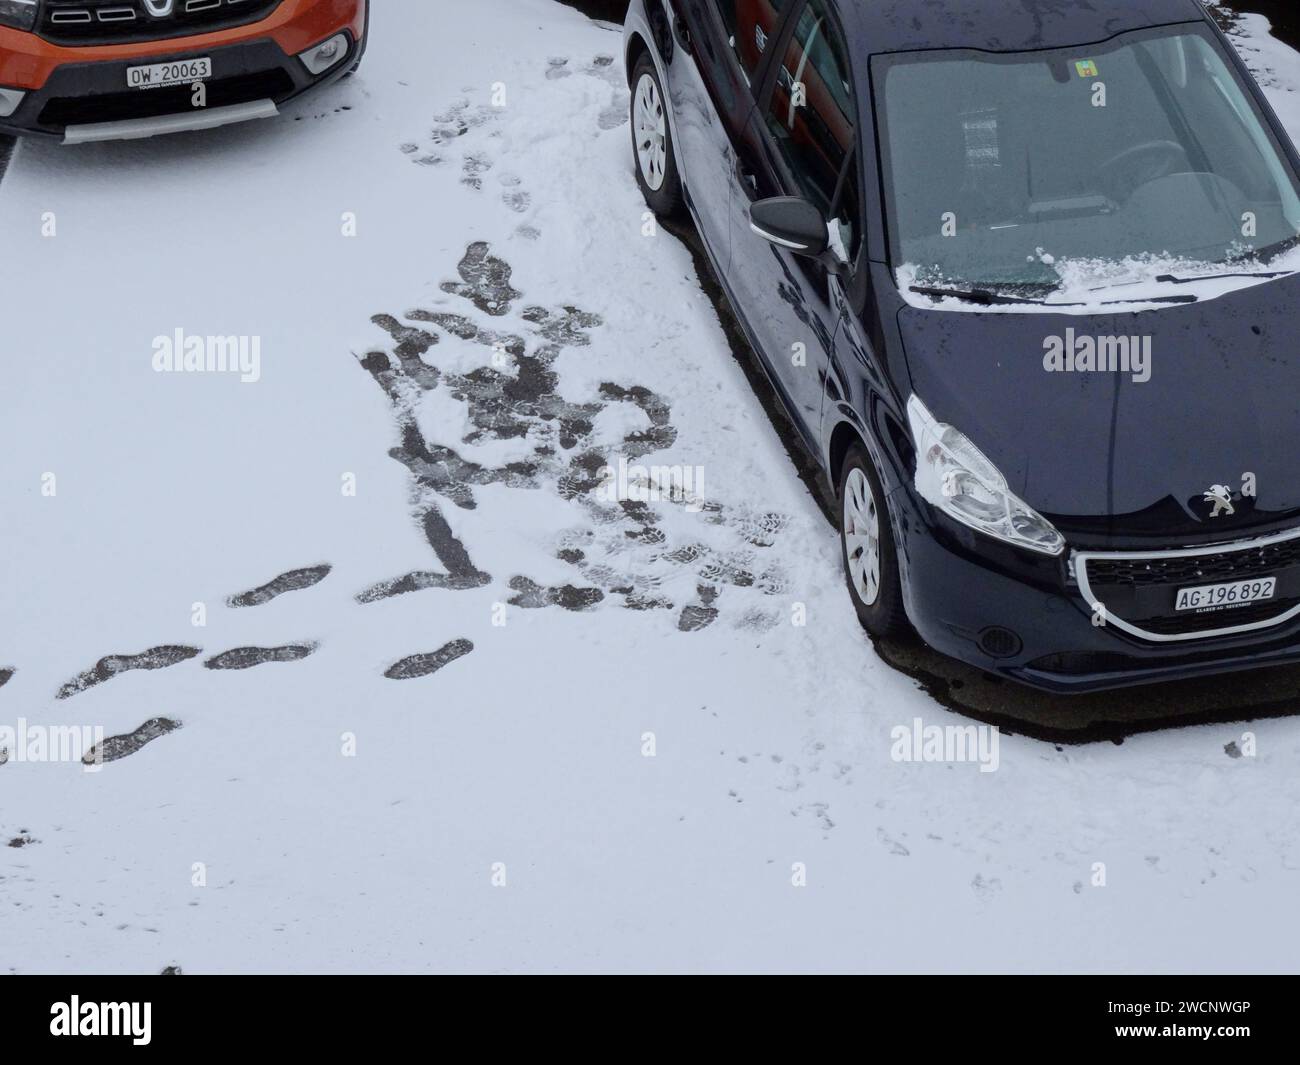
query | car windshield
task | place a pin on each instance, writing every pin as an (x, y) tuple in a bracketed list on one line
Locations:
[(1037, 172)]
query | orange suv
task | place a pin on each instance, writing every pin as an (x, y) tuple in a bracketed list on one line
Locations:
[(91, 70)]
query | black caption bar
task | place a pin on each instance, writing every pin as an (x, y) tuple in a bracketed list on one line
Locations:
[(335, 1013)]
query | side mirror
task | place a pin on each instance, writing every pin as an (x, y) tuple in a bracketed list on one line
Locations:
[(792, 223)]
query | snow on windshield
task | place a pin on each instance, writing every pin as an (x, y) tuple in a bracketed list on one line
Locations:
[(1056, 175), (1087, 286)]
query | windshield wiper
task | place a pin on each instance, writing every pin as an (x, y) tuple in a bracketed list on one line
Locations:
[(977, 295), (1173, 279)]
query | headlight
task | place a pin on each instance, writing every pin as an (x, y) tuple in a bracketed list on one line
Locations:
[(953, 475), (21, 14)]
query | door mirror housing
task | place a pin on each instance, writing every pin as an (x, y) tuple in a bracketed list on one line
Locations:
[(792, 223), (796, 225)]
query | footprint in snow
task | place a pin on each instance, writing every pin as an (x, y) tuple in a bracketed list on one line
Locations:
[(425, 664), (295, 580), (248, 657), (637, 552), (110, 666), (117, 747)]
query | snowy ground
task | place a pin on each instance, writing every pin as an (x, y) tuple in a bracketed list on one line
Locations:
[(493, 721)]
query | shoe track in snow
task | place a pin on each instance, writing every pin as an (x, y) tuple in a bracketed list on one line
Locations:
[(294, 581), (634, 551), (112, 665)]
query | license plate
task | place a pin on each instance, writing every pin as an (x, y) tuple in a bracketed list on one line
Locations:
[(1221, 596), (162, 75)]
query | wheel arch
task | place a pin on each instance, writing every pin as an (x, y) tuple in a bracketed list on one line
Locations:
[(843, 437), (634, 48)]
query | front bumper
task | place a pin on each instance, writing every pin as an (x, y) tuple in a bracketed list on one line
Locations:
[(964, 593), (255, 69)]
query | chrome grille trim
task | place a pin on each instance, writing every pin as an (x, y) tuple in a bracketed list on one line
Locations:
[(1080, 560)]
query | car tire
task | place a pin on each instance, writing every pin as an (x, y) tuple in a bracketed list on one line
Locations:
[(653, 153), (867, 547)]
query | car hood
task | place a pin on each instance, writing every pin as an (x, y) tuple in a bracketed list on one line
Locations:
[(1103, 455)]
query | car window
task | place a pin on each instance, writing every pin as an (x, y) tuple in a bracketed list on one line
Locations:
[(1021, 170), (810, 117), (750, 24)]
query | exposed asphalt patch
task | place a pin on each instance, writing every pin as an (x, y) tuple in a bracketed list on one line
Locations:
[(112, 665), (248, 657), (6, 675), (423, 665), (293, 581), (1282, 14), (605, 10), (7, 146), (23, 840), (116, 747)]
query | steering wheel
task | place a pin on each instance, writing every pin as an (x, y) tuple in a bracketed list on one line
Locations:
[(1127, 171)]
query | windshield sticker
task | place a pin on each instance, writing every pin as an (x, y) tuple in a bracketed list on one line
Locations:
[(1086, 68)]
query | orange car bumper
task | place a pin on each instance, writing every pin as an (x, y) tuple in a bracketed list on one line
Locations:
[(68, 90), (27, 61)]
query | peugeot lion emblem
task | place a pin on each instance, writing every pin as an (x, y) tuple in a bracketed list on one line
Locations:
[(1221, 496)]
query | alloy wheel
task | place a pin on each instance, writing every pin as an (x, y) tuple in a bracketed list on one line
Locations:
[(651, 132), (862, 537)]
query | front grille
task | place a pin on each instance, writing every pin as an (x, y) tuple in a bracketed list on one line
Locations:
[(1139, 592), (65, 111), (112, 21), (1175, 624), (1196, 569)]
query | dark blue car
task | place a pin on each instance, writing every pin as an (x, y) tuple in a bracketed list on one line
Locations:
[(1025, 277)]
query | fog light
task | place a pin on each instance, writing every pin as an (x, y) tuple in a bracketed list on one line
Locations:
[(323, 56), (997, 642), (9, 101)]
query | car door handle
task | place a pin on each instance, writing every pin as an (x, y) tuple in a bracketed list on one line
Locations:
[(748, 182), (682, 33)]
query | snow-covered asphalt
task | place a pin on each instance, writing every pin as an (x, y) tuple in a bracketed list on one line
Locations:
[(386, 684)]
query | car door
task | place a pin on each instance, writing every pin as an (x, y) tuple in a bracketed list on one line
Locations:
[(711, 68), (800, 141)]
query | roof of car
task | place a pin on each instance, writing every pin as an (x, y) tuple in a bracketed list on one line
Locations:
[(1002, 25)]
